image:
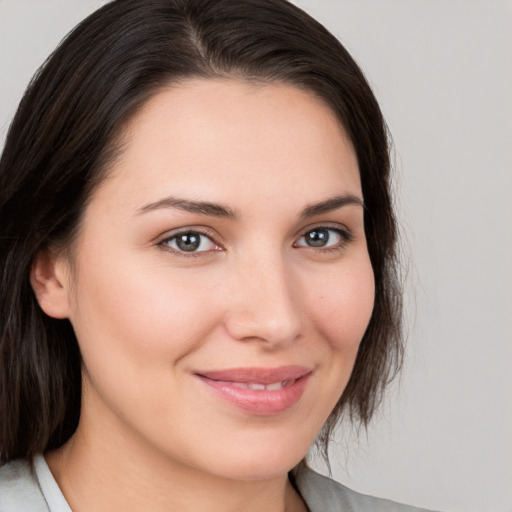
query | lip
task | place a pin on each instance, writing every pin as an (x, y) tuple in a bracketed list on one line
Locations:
[(232, 385)]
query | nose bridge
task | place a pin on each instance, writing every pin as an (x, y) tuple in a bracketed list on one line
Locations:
[(263, 304)]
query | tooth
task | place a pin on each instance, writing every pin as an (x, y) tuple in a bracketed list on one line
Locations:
[(275, 385), (256, 386)]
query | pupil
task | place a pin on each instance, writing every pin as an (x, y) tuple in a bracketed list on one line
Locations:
[(188, 242), (317, 238)]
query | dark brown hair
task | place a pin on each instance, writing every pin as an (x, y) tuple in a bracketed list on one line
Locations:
[(63, 137)]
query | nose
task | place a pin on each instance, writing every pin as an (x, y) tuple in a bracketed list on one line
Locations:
[(264, 304)]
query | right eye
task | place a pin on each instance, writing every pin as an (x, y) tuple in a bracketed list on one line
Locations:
[(190, 242)]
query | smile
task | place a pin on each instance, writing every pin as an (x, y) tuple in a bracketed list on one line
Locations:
[(259, 391), (258, 386)]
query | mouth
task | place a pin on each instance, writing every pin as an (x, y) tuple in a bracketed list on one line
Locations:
[(259, 391), (259, 386)]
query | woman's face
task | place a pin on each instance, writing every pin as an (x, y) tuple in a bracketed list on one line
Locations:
[(221, 282)]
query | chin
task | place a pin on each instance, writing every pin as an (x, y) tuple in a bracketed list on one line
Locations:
[(260, 461), (258, 470)]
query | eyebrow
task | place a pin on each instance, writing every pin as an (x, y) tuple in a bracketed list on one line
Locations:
[(330, 204), (219, 210), (202, 207)]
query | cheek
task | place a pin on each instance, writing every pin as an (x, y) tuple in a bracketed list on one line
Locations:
[(145, 318), (135, 331), (344, 308)]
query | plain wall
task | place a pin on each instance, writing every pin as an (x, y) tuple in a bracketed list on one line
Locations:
[(442, 70)]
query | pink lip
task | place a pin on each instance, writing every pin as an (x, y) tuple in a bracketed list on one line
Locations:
[(231, 385)]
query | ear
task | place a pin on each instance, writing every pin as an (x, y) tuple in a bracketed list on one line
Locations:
[(50, 282)]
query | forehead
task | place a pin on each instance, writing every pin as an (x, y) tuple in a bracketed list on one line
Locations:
[(217, 135)]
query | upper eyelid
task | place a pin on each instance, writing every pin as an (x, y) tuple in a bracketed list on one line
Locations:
[(162, 243), (347, 237), (327, 225), (168, 235)]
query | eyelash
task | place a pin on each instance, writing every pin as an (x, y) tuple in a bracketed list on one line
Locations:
[(192, 254), (345, 235)]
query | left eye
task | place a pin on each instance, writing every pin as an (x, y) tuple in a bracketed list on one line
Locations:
[(321, 237), (190, 241)]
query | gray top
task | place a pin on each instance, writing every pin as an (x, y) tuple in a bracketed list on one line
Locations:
[(26, 487)]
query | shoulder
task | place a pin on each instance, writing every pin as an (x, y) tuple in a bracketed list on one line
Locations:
[(322, 494), (19, 489)]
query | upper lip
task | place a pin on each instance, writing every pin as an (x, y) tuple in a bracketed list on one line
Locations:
[(256, 374)]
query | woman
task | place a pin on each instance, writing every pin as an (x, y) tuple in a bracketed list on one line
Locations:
[(198, 267)]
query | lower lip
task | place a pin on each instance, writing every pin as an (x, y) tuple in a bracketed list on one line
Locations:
[(260, 402)]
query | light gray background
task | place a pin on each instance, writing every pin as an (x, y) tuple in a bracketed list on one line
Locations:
[(442, 70)]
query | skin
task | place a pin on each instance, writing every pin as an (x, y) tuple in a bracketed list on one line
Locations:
[(255, 294)]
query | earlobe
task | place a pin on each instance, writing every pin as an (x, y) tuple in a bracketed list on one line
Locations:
[(50, 284)]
